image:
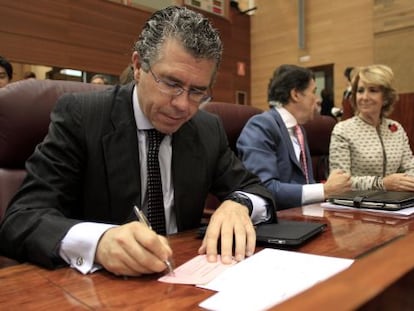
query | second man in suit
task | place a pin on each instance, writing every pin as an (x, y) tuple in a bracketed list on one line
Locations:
[(273, 144)]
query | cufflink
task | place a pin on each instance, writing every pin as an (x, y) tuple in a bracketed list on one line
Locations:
[(79, 261)]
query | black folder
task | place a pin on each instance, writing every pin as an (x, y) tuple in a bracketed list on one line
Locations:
[(284, 233), (375, 199)]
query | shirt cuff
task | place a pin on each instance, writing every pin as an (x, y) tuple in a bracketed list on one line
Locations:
[(312, 193), (260, 211), (78, 247)]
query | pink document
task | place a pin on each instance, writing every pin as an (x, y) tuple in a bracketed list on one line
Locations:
[(196, 271)]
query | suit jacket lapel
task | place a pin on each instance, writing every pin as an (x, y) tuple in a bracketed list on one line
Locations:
[(286, 136), (120, 147)]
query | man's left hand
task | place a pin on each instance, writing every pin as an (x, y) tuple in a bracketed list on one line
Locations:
[(230, 223)]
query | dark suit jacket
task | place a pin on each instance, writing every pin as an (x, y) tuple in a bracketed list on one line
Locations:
[(266, 149), (87, 169)]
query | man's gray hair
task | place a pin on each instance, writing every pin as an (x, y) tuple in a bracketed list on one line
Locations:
[(191, 29)]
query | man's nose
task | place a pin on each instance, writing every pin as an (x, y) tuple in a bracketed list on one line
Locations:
[(182, 101)]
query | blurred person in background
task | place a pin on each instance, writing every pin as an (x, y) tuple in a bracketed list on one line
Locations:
[(348, 76), (99, 79), (6, 72)]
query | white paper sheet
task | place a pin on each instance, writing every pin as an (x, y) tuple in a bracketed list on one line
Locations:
[(268, 278)]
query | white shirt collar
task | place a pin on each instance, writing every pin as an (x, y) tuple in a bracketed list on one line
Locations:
[(142, 121), (286, 116)]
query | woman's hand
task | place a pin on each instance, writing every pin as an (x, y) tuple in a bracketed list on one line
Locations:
[(399, 182)]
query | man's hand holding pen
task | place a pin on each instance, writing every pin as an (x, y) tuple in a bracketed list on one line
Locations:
[(143, 219), (133, 249)]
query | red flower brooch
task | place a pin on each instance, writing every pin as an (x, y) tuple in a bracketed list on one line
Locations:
[(392, 127)]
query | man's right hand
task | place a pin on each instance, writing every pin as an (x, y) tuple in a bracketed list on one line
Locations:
[(338, 181), (132, 250)]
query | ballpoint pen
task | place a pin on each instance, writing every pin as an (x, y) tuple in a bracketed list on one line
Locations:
[(143, 219)]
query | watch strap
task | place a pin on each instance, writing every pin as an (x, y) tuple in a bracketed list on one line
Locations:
[(241, 199)]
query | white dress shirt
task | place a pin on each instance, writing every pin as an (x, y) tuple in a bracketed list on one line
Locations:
[(311, 193)]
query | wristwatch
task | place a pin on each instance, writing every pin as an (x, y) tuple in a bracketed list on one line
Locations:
[(241, 199)]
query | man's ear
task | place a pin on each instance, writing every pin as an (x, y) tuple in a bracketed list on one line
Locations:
[(136, 66), (135, 60), (294, 95)]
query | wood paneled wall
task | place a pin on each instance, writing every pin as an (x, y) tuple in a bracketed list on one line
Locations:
[(404, 113), (89, 35), (394, 40), (98, 36), (336, 32)]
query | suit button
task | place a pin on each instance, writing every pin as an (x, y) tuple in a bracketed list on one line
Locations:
[(79, 261)]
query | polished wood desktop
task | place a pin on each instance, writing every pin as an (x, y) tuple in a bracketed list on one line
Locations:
[(381, 276)]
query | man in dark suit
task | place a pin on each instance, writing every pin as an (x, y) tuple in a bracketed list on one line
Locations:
[(270, 147), (76, 204)]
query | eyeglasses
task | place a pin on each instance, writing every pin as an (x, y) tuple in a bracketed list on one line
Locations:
[(172, 88)]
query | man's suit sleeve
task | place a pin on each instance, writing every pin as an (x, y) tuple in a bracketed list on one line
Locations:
[(36, 221)]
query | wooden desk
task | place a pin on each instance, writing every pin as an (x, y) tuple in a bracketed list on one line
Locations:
[(383, 280), (370, 280)]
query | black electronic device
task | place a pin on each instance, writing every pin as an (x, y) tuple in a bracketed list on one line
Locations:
[(284, 233)]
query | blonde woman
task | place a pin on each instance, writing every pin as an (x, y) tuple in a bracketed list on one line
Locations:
[(372, 148)]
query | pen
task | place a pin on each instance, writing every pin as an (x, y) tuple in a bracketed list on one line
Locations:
[(143, 219)]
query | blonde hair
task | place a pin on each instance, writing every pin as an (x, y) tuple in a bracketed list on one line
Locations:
[(379, 75)]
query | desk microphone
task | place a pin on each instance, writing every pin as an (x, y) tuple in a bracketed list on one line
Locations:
[(337, 112)]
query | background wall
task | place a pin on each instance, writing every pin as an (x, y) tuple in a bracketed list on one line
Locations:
[(394, 39), (336, 32), (342, 33), (98, 36), (394, 46), (88, 35)]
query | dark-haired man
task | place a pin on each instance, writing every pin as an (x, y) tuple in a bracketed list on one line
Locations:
[(348, 76), (76, 205), (273, 144)]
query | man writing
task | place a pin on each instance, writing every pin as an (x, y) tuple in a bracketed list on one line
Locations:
[(76, 205)]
